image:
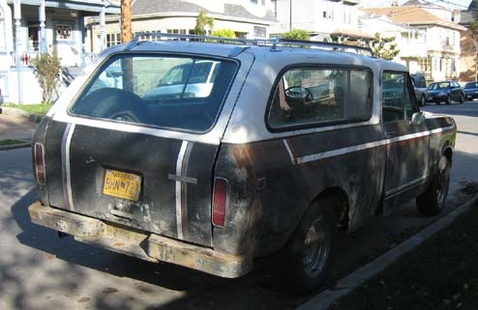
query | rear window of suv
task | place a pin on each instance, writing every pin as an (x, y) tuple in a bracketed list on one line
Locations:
[(174, 92)]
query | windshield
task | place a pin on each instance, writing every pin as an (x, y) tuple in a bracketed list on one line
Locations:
[(438, 86), (471, 85), (165, 91), (191, 72)]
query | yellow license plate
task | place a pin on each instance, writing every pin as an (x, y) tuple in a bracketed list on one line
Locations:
[(122, 185)]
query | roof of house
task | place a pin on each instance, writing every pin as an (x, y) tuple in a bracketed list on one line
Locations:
[(353, 33), (412, 15), (166, 7), (85, 6)]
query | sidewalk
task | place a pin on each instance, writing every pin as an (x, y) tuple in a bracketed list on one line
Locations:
[(16, 124)]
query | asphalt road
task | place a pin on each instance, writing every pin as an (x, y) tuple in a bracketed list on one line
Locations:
[(41, 271)]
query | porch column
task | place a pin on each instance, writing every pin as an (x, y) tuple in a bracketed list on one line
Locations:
[(17, 15), (102, 28), (41, 14)]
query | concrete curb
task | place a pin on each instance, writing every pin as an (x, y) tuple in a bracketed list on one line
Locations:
[(325, 299)]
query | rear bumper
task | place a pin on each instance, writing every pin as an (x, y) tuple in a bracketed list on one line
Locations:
[(150, 247), (471, 95)]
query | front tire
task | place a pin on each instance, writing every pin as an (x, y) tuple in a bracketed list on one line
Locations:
[(448, 99), (432, 200), (308, 254)]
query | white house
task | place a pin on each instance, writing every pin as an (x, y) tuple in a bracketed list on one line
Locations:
[(431, 44), (249, 19), (325, 20), (30, 27)]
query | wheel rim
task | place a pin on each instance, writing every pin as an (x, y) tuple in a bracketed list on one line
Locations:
[(443, 183), (316, 249)]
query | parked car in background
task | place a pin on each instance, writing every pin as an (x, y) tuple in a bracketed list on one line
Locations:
[(471, 90), (190, 79), (446, 91), (420, 87)]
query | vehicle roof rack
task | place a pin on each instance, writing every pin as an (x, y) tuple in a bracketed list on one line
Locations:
[(273, 43)]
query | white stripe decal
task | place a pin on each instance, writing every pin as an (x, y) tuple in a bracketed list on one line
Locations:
[(66, 153), (208, 138), (360, 147), (287, 146), (179, 187), (346, 150), (395, 191)]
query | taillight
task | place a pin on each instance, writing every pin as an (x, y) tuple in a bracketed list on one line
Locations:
[(39, 163), (219, 203)]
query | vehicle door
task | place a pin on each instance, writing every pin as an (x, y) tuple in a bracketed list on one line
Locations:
[(407, 143), (141, 163), (455, 90)]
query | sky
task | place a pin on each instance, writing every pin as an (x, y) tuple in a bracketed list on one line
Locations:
[(451, 4)]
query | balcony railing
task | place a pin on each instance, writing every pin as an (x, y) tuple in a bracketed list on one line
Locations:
[(27, 57)]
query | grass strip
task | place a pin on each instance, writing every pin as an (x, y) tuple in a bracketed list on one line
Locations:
[(442, 273), (40, 109), (10, 142)]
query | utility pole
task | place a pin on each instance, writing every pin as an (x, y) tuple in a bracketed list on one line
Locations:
[(126, 31)]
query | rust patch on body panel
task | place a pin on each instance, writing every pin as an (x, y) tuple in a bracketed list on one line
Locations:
[(198, 258)]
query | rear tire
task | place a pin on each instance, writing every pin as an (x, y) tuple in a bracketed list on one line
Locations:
[(423, 101), (307, 257), (432, 200)]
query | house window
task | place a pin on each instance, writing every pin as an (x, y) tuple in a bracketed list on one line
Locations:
[(180, 32), (347, 14), (33, 30), (113, 39), (328, 14), (259, 32), (254, 1), (63, 32)]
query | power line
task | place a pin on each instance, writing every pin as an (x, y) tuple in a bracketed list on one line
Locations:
[(444, 4)]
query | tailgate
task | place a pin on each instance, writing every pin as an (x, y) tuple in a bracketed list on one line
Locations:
[(157, 184)]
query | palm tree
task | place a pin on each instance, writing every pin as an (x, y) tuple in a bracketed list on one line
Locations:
[(203, 21)]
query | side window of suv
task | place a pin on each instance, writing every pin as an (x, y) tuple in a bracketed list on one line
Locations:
[(397, 101), (310, 96)]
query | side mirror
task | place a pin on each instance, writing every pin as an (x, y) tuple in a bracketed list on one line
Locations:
[(417, 118)]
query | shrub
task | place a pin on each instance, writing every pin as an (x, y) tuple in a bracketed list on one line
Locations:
[(296, 34), (47, 69), (224, 33)]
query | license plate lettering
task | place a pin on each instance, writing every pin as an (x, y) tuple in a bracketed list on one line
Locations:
[(122, 185)]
